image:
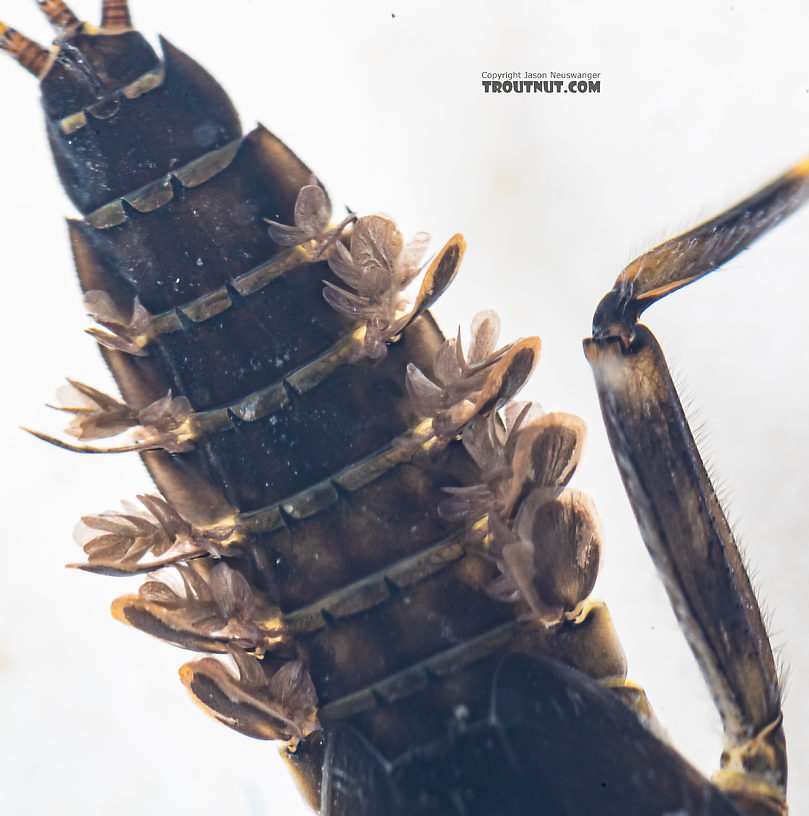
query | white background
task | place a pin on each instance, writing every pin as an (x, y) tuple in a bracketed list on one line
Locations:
[(701, 102)]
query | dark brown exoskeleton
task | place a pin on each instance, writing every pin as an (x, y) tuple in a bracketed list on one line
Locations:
[(354, 510)]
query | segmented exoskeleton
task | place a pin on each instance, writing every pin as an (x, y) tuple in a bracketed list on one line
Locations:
[(169, 424)]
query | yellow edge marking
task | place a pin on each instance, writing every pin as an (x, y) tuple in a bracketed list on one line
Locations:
[(800, 170)]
